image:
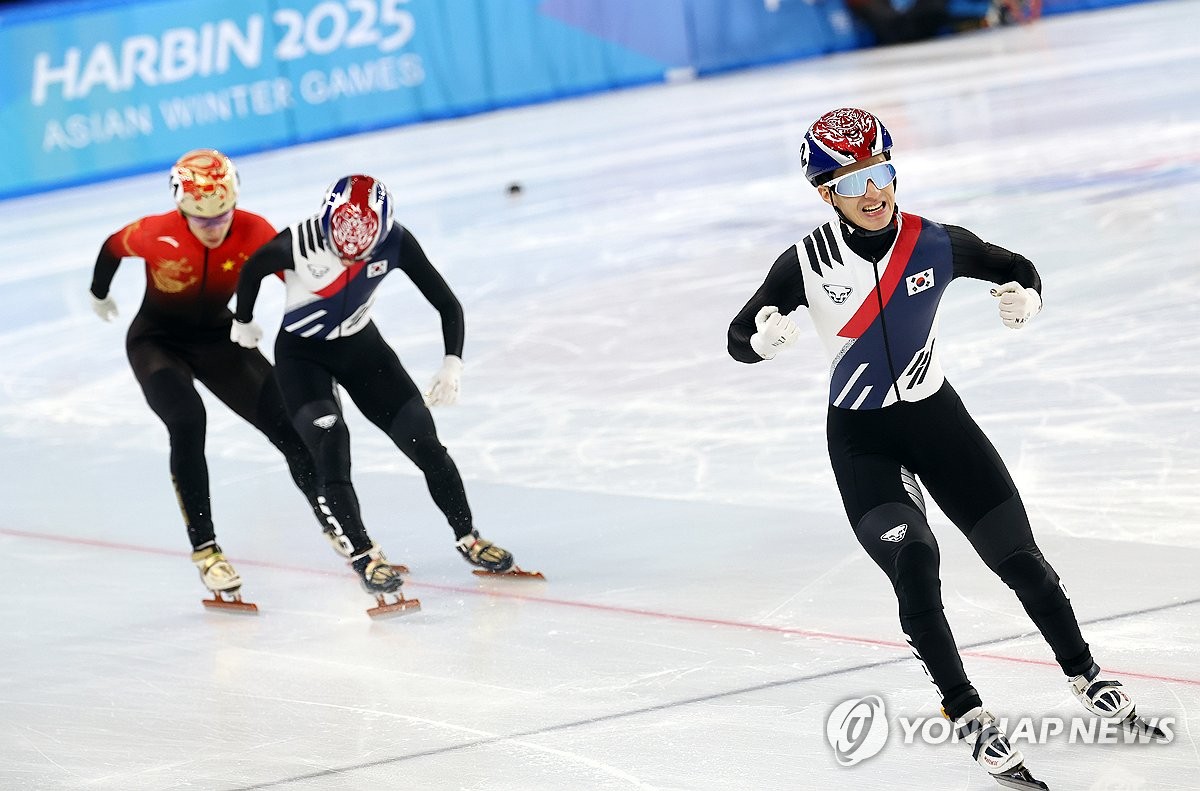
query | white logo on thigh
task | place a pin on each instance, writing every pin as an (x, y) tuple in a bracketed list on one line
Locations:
[(857, 729), (325, 421), (896, 534)]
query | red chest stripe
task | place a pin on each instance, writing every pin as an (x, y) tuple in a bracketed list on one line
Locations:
[(341, 282), (868, 311)]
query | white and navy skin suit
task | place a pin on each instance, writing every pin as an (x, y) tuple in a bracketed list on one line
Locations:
[(893, 418), (328, 339)]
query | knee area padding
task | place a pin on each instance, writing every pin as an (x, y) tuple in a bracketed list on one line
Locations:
[(918, 561), (316, 418), (885, 529), (427, 450), (414, 433), (1027, 570), (899, 540)]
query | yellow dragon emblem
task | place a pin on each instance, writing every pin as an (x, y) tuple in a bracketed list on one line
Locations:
[(171, 277)]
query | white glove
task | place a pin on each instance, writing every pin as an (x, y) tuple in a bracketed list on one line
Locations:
[(775, 332), (1017, 304), (105, 308), (246, 335), (443, 390)]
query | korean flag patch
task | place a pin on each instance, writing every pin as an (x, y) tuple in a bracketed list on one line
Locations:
[(377, 268), (920, 281)]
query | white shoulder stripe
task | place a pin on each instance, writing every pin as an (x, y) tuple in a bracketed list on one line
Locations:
[(295, 325)]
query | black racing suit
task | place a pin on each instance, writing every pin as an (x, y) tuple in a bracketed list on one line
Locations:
[(328, 339), (181, 334), (893, 419)]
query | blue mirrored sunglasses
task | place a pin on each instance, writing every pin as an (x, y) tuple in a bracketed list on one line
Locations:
[(854, 185)]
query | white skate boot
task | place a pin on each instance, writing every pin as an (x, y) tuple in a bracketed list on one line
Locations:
[(220, 577), (991, 749), (1105, 698)]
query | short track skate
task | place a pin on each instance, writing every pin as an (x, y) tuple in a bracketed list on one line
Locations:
[(381, 579), (490, 560), (399, 606), (992, 750), (222, 581), (230, 601), (1020, 777), (1106, 698), (515, 571), (1143, 728)]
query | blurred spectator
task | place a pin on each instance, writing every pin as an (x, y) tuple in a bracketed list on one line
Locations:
[(898, 21)]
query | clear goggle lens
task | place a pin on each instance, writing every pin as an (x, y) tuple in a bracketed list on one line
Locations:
[(208, 223), (854, 185)]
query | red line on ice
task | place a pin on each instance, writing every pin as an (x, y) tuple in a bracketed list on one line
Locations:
[(666, 616)]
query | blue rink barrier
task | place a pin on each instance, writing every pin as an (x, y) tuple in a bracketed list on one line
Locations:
[(96, 88), (93, 89)]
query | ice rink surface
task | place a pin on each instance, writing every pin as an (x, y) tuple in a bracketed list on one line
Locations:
[(706, 605)]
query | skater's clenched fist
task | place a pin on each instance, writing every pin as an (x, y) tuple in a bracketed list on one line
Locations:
[(775, 332)]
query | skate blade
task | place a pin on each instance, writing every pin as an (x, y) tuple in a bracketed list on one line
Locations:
[(386, 609), (1019, 777), (515, 571), (233, 604), (1141, 727)]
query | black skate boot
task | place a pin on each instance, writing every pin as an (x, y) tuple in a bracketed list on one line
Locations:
[(375, 573), (491, 560), (484, 554), (380, 578)]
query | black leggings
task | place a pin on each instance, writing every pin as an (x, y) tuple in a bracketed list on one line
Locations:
[(877, 455), (309, 372), (167, 365)]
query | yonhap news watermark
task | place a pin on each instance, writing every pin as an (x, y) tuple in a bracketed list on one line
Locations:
[(859, 728)]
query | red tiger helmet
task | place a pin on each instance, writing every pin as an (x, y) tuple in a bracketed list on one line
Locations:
[(842, 137)]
